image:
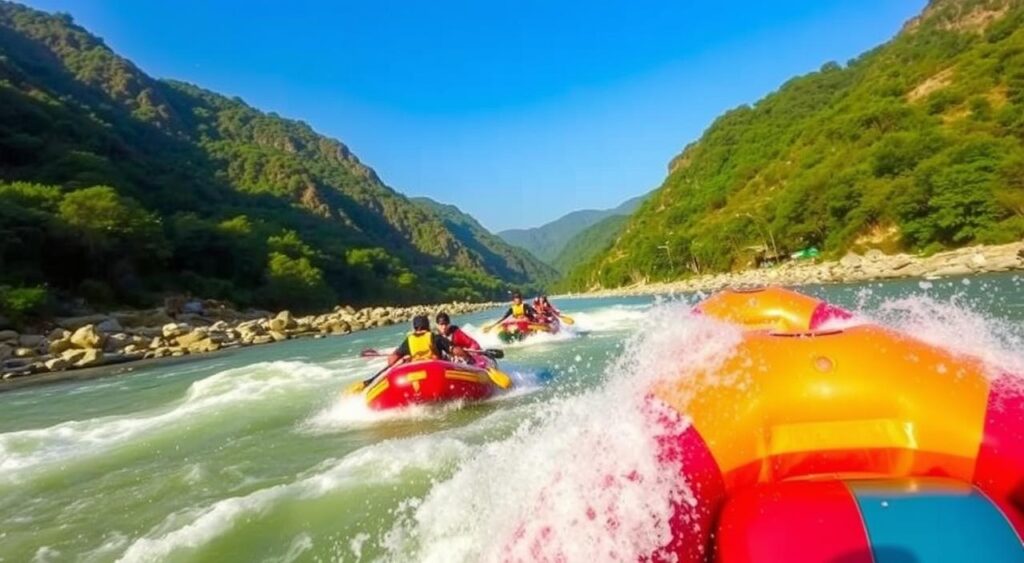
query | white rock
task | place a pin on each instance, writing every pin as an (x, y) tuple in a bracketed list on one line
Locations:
[(851, 260), (73, 356), (60, 345), (87, 337), (56, 364), (191, 338), (174, 330), (24, 353), (92, 357)]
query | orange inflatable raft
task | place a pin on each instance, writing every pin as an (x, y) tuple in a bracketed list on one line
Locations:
[(852, 445)]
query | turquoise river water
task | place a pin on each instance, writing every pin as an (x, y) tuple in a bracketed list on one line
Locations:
[(252, 456)]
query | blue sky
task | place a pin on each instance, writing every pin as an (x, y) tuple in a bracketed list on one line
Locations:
[(517, 112)]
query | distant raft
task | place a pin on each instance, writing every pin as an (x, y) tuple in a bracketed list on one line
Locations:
[(856, 445), (434, 381), (513, 330)]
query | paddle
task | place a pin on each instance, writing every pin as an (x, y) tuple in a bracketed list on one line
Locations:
[(358, 386), (492, 353), (566, 319), (498, 377)]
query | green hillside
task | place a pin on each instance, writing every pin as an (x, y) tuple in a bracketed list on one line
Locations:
[(914, 145), (510, 263), (117, 187), (548, 240), (590, 242)]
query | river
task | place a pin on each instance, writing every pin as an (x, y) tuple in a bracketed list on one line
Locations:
[(252, 455)]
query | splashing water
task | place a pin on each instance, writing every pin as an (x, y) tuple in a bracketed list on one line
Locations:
[(570, 483), (254, 456)]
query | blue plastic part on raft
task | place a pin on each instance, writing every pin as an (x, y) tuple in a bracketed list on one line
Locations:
[(934, 521)]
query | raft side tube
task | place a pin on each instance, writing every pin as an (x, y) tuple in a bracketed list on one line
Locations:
[(860, 403), (770, 308), (431, 381)]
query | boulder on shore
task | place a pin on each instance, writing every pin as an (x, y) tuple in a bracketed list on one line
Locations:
[(191, 338), (75, 323), (109, 326), (56, 364), (87, 337), (174, 330), (31, 340), (92, 357), (203, 346), (283, 321), (60, 345), (73, 355)]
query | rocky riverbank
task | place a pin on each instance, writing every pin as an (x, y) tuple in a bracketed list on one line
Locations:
[(872, 265), (120, 337)]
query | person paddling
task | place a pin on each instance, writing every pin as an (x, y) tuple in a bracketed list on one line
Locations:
[(421, 344), (518, 310), (546, 310), (456, 335)]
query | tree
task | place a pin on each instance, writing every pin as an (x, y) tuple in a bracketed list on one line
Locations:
[(295, 282), (104, 217)]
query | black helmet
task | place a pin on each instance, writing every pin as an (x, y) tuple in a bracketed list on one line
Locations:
[(420, 322), (442, 318), (517, 295)]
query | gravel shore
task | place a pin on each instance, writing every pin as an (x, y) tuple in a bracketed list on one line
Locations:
[(872, 265), (103, 340)]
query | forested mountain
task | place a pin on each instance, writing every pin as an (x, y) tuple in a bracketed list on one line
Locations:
[(590, 242), (116, 187), (915, 145), (510, 263), (548, 240)]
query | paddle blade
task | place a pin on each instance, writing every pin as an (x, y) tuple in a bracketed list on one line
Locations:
[(500, 378), (370, 353), (567, 319), (355, 388), (494, 353)]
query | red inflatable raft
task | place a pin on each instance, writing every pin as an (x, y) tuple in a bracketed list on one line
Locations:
[(516, 330), (432, 381)]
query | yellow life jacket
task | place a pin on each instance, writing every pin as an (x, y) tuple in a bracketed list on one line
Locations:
[(519, 311), (421, 346)]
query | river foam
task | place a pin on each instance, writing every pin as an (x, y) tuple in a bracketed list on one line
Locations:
[(23, 452), (381, 463), (580, 479)]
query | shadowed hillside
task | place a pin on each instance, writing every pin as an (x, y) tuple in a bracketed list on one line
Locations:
[(117, 187)]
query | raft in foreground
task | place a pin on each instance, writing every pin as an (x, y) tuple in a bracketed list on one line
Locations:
[(856, 445), (432, 381)]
